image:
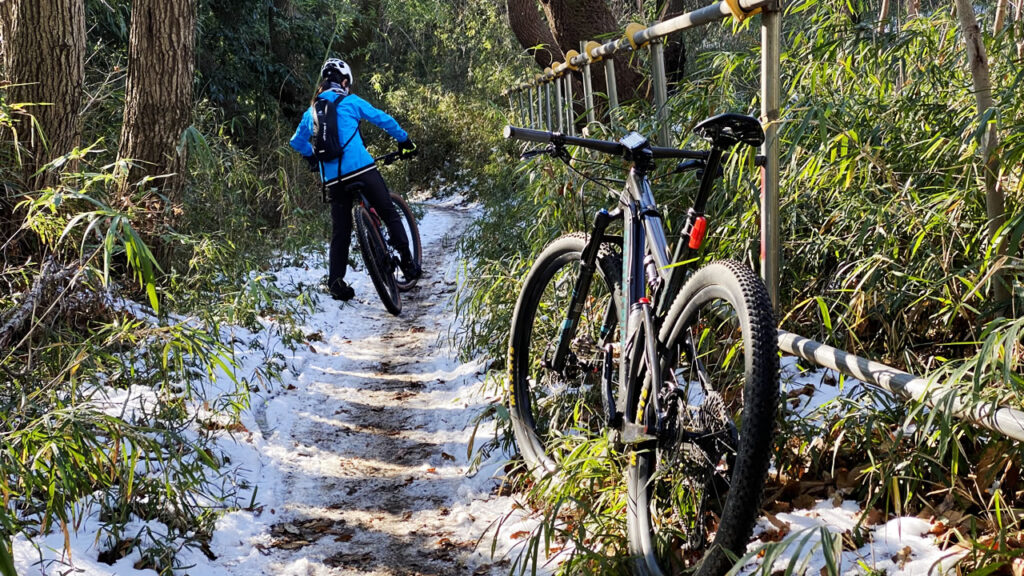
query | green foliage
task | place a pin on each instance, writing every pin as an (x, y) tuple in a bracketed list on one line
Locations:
[(584, 504), (72, 442)]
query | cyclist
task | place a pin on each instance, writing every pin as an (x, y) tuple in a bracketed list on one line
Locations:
[(355, 166)]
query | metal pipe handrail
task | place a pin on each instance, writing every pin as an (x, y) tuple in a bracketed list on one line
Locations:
[(634, 38), (1006, 421)]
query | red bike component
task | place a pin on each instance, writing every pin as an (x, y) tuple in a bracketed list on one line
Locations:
[(700, 227)]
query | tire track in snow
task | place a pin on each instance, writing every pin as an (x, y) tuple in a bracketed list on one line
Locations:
[(375, 460)]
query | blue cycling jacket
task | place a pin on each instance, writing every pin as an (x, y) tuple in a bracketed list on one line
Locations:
[(351, 109)]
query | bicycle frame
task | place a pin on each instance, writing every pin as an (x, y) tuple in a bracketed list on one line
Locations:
[(648, 267)]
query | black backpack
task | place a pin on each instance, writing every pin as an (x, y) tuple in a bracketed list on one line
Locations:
[(326, 146)]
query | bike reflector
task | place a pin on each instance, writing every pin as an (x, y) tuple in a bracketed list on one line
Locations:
[(700, 227)]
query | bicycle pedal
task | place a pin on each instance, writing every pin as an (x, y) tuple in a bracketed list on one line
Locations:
[(635, 434)]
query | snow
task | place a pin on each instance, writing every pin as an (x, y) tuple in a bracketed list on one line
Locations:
[(902, 546), (361, 451)]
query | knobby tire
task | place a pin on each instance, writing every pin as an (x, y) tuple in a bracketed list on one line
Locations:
[(696, 491), (543, 403), (412, 232), (378, 261)]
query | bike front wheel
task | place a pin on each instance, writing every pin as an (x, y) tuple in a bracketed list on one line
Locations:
[(547, 403), (695, 492), (378, 261)]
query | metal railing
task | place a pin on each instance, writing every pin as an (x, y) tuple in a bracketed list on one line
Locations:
[(1006, 421), (560, 115)]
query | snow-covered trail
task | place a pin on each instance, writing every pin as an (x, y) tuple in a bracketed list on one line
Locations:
[(356, 462), (362, 459), (375, 449)]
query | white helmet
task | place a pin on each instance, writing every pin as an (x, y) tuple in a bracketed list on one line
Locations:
[(335, 69)]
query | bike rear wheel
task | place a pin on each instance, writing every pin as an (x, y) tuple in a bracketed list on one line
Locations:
[(378, 261), (696, 491), (545, 403), (412, 232)]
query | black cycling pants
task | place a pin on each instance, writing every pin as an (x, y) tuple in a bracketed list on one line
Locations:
[(377, 194)]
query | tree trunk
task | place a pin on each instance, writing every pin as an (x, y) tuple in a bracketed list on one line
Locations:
[(883, 16), (292, 93), (573, 21), (1018, 11), (913, 8), (158, 95), (44, 56), (532, 32), (977, 61), (1000, 19)]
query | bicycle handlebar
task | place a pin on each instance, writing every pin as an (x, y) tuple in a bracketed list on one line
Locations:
[(603, 146), (395, 156)]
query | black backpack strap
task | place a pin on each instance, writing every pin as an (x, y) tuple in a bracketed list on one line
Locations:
[(356, 131)]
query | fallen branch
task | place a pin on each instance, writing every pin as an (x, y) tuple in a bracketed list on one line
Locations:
[(52, 284)]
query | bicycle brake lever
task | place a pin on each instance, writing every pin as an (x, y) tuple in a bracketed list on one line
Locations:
[(531, 153), (689, 165)]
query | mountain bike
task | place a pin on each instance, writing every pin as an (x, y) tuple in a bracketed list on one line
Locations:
[(379, 256), (616, 334)]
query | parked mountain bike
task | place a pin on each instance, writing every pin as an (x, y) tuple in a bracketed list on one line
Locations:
[(616, 333), (379, 256)]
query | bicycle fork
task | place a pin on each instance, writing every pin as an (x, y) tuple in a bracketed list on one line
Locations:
[(642, 351), (588, 266)]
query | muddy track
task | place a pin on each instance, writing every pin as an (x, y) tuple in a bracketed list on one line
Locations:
[(374, 467)]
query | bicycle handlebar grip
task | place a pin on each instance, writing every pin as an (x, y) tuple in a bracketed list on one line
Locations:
[(559, 139), (527, 134)]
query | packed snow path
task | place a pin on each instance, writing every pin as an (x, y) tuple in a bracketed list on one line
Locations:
[(371, 446)]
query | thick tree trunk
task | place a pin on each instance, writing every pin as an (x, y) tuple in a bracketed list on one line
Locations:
[(533, 33), (573, 21), (44, 51), (158, 94), (977, 61)]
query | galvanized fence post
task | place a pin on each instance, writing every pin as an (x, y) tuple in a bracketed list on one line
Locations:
[(613, 93), (547, 106), (570, 113), (558, 103), (771, 46), (540, 107), (660, 92), (588, 85), (529, 100)]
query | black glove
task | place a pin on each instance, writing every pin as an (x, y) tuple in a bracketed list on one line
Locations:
[(407, 148), (314, 166)]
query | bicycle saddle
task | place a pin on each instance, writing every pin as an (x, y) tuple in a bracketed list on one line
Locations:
[(355, 187), (725, 130)]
